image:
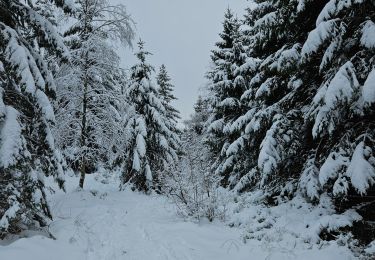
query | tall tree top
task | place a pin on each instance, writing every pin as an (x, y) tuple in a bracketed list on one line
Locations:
[(142, 54), (231, 26), (142, 69), (165, 87), (221, 56)]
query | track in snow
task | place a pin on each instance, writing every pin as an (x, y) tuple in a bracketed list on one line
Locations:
[(112, 225), (125, 225)]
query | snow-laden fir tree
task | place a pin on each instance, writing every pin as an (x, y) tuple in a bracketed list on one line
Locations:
[(338, 60), (154, 144), (89, 93), (271, 124), (201, 115), (221, 83), (228, 81), (165, 91), (309, 93), (27, 148), (172, 115)]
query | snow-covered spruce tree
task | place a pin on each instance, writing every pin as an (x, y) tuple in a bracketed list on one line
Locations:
[(165, 91), (154, 144), (272, 124), (172, 115), (89, 85), (201, 115), (228, 82), (339, 53), (221, 82), (338, 61), (27, 149)]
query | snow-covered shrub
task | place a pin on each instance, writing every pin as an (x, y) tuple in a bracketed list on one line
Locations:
[(192, 185), (196, 200), (293, 225)]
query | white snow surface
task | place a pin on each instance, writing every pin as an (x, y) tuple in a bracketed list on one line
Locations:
[(368, 91), (360, 171), (368, 34), (103, 223), (11, 142), (317, 37), (333, 7)]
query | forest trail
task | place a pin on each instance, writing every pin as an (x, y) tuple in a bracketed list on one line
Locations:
[(101, 223), (110, 225), (125, 225)]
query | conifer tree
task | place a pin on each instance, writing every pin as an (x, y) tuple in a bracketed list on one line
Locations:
[(221, 82), (309, 127), (339, 53), (265, 144), (307, 88), (153, 145), (201, 115), (165, 91), (27, 148), (228, 82)]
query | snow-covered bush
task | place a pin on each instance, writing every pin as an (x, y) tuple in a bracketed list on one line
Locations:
[(192, 185), (196, 200)]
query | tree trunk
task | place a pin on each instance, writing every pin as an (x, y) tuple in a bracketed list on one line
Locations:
[(84, 130), (84, 134), (83, 173)]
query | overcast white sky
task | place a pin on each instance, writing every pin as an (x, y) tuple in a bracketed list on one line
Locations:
[(180, 34)]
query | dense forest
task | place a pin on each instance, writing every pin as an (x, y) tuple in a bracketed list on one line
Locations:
[(286, 119)]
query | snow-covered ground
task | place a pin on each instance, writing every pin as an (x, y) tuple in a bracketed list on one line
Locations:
[(103, 223)]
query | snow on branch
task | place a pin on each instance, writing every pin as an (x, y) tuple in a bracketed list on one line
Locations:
[(360, 170), (339, 91)]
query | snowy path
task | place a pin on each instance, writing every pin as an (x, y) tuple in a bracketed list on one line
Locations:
[(116, 225), (132, 226), (125, 225)]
